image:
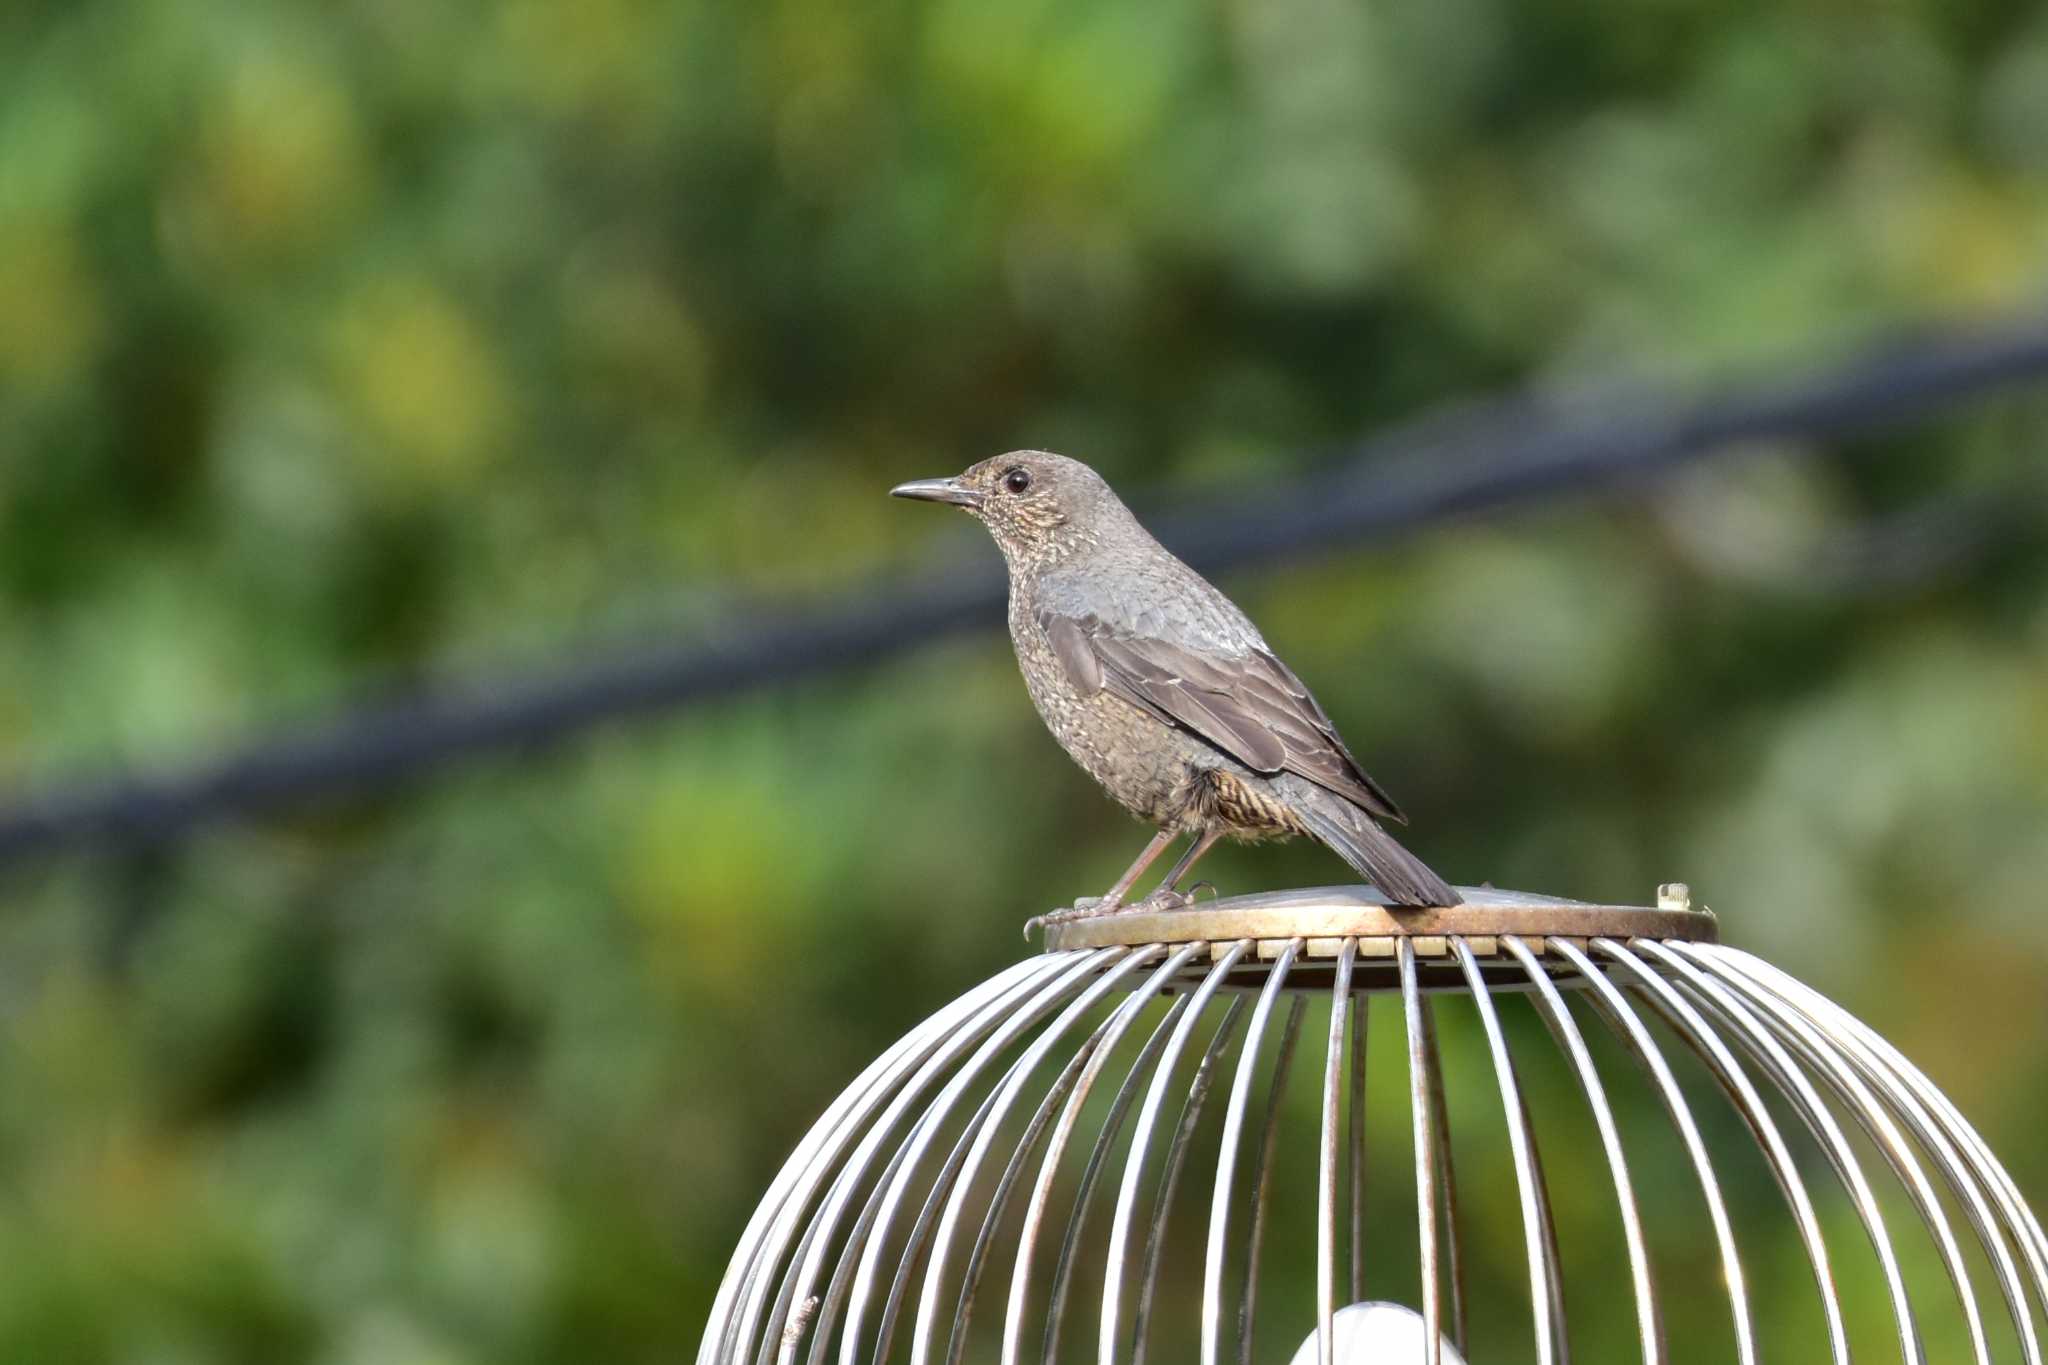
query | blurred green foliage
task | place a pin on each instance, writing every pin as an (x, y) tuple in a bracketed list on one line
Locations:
[(347, 345)]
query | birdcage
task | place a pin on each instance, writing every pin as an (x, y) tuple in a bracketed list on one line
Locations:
[(1165, 1138)]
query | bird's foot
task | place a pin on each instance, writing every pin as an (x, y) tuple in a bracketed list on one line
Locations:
[(1094, 907), (1088, 907)]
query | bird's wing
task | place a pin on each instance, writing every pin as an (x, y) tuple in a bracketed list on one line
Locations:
[(1249, 704), (1342, 766)]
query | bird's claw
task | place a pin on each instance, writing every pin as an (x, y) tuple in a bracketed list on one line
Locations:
[(1087, 907), (1091, 907)]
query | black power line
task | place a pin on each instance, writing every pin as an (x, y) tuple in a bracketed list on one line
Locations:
[(1474, 459)]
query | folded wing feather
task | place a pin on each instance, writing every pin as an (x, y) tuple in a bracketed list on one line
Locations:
[(1249, 705)]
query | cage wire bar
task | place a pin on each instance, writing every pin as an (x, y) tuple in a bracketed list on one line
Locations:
[(973, 1158)]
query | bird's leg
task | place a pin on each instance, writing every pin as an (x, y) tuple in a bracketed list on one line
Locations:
[(1113, 900), (1169, 895)]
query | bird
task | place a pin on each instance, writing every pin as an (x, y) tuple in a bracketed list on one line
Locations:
[(1164, 691)]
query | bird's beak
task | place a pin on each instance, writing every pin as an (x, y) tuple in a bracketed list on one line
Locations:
[(938, 490)]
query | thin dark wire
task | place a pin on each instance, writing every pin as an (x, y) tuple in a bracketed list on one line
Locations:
[(1475, 459), (1501, 452)]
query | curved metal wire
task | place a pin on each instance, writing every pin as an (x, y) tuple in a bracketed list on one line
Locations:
[(1676, 1011), (1019, 1003), (1447, 1173), (1628, 1026), (1112, 1126), (734, 1317), (1836, 1063), (1551, 1006), (996, 1035), (1226, 1157), (893, 1209), (1360, 1030), (1006, 1185), (1169, 1177), (1326, 1156), (1822, 1056), (1422, 1115), (1520, 1143), (928, 1301), (1097, 1057), (1959, 1165), (1262, 1180), (1141, 1141), (1764, 1048)]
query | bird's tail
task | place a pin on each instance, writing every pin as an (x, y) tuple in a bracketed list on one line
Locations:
[(1353, 835)]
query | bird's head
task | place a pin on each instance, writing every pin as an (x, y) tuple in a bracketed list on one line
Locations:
[(1040, 507)]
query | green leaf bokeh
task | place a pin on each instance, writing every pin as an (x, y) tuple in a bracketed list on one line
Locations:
[(347, 347)]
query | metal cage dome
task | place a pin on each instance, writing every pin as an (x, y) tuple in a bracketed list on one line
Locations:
[(1096, 1153)]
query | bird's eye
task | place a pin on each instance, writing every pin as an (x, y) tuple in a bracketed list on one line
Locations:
[(1017, 480)]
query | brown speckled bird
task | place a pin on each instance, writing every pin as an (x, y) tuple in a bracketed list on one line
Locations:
[(1163, 690)]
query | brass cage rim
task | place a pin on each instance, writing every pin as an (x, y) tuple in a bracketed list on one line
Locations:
[(1324, 917)]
